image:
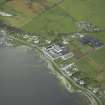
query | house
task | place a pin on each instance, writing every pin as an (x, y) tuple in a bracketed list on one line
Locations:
[(81, 82), (96, 90), (69, 69), (58, 50), (48, 41), (5, 14), (91, 41)]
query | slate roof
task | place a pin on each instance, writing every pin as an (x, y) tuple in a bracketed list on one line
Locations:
[(94, 42)]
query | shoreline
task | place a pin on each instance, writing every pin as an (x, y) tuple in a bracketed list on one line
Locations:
[(94, 100)]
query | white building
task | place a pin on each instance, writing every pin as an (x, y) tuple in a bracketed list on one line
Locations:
[(5, 14)]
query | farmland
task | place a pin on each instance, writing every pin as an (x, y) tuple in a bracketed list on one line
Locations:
[(23, 11)]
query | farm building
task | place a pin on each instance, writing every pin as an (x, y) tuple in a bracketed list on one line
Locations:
[(93, 42), (58, 50)]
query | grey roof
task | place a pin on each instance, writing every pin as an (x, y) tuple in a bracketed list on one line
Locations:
[(94, 42)]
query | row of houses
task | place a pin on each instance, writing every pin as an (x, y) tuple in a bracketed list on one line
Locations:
[(34, 39), (87, 26), (69, 69), (57, 50)]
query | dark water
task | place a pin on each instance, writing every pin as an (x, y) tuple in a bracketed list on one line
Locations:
[(25, 80)]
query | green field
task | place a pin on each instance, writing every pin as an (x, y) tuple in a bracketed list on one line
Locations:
[(70, 11)]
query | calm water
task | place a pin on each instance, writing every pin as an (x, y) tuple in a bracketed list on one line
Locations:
[(25, 80)]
